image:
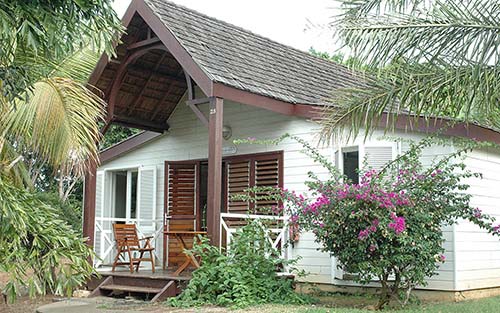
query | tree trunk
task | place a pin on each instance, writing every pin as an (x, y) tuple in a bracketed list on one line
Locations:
[(385, 293)]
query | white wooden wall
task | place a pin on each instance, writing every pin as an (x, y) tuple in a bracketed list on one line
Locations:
[(478, 253), (188, 139)]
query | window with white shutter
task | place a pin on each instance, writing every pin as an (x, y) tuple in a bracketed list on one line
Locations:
[(99, 203), (378, 156), (350, 159), (146, 199)]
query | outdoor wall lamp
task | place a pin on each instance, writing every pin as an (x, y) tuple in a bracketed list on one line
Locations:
[(226, 132)]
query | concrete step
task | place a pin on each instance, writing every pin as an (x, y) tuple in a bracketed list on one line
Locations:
[(68, 306)]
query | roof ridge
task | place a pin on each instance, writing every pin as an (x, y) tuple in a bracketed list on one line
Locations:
[(244, 30)]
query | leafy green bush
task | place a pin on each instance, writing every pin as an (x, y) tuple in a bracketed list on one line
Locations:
[(37, 248), (69, 211), (243, 275)]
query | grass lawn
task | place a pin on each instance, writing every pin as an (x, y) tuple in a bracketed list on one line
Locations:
[(473, 306)]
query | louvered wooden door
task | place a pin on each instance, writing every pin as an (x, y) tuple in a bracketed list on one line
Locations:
[(181, 205)]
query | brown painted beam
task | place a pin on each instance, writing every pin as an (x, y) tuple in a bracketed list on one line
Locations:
[(105, 59), (275, 105), (89, 202), (198, 101), (140, 123), (174, 46), (122, 70), (214, 170), (127, 145), (198, 113), (143, 43)]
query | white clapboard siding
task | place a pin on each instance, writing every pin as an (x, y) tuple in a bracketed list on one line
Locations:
[(478, 253), (146, 199)]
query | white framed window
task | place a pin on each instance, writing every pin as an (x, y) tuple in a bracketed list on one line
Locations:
[(124, 193), (349, 160)]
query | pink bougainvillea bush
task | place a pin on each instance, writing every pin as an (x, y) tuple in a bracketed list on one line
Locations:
[(388, 228)]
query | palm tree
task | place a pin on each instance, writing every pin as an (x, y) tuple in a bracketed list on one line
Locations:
[(49, 30), (421, 58), (57, 121)]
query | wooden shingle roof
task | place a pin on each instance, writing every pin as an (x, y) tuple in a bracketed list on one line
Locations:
[(241, 59)]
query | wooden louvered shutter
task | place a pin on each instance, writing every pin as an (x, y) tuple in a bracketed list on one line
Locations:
[(267, 174), (238, 180), (243, 172), (181, 183)]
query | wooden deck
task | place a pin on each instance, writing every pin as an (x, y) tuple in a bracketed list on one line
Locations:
[(147, 274)]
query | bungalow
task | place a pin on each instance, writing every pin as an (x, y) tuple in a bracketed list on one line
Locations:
[(193, 84)]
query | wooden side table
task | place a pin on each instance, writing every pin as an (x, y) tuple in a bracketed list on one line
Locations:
[(179, 236)]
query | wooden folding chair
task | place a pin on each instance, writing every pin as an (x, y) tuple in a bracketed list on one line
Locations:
[(128, 242)]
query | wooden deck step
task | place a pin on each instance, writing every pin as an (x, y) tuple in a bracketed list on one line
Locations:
[(156, 289), (129, 288)]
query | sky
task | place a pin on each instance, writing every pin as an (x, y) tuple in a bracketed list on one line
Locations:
[(297, 23)]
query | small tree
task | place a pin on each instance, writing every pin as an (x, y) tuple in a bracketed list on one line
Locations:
[(389, 226)]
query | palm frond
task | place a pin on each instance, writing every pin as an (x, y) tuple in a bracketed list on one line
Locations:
[(358, 8), (77, 66), (58, 118), (416, 90), (460, 32)]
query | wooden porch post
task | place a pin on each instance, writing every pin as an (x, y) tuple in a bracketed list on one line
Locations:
[(89, 203), (214, 169)]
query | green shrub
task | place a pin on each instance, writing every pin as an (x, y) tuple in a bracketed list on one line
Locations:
[(69, 211), (37, 249), (243, 275)]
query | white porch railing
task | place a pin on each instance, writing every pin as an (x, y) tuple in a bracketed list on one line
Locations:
[(278, 243), (104, 242)]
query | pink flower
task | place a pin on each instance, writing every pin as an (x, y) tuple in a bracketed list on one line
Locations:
[(372, 248), (496, 229), (251, 138), (477, 213), (363, 234), (398, 224), (442, 258)]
